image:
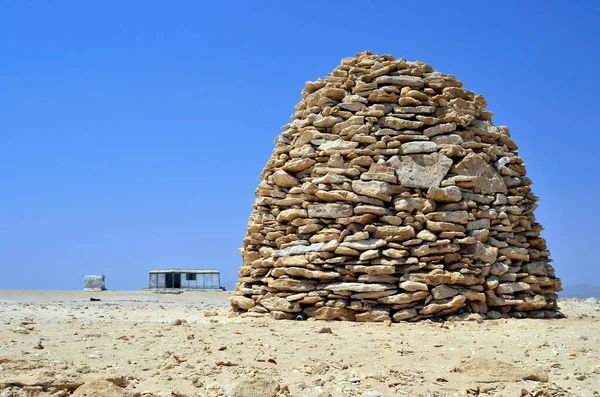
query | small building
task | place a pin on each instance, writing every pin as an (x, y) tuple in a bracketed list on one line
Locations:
[(185, 279), (94, 282)]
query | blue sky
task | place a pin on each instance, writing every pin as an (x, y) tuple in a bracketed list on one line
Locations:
[(133, 133)]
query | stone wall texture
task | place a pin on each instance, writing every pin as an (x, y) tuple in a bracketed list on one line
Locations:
[(392, 196)]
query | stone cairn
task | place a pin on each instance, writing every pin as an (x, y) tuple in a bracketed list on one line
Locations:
[(392, 196)]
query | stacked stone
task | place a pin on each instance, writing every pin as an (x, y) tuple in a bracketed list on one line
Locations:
[(392, 196)]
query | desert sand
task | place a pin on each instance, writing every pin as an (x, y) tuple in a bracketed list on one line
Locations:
[(139, 343)]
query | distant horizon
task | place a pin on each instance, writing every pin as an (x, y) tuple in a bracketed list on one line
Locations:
[(580, 291)]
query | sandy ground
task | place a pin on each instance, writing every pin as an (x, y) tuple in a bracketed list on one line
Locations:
[(138, 343)]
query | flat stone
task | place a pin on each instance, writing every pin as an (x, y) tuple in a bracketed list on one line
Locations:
[(335, 313), (448, 194), (443, 292), (303, 272), (299, 164), (412, 286), (404, 314), (298, 250), (293, 261), (404, 298), (450, 307), (511, 288), (498, 269), (450, 139), (370, 254), (344, 195), (376, 189), (373, 295), (291, 214), (418, 147), (516, 254), (280, 304), (440, 129), (440, 227), (395, 253), (402, 81), (413, 204), (338, 146), (488, 181), (288, 284), (449, 216), (377, 314), (364, 245), (242, 302), (394, 233), (380, 172), (396, 123), (327, 122), (421, 170), (283, 179), (357, 287), (484, 253), (427, 250), (372, 269), (371, 209), (478, 224), (426, 235), (439, 276), (382, 279), (330, 210), (354, 120)]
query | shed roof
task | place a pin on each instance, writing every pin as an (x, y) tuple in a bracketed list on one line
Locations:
[(197, 271)]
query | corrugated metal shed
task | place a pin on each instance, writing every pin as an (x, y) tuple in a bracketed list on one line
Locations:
[(185, 279)]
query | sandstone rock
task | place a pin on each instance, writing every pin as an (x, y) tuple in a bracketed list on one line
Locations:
[(305, 273), (418, 147), (98, 387), (439, 276), (421, 170), (394, 233), (511, 288), (357, 287), (440, 129), (518, 254), (291, 214), (450, 307), (283, 179), (370, 254), (485, 253), (334, 313), (443, 292), (259, 386), (298, 164), (330, 210), (404, 314), (412, 286), (404, 298), (449, 194), (426, 235), (488, 181), (414, 204), (449, 216), (280, 304), (379, 172), (377, 314), (289, 284), (242, 302), (375, 189), (364, 245), (298, 250)]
